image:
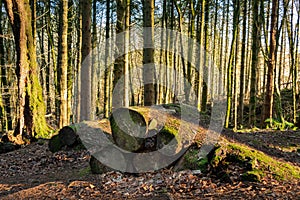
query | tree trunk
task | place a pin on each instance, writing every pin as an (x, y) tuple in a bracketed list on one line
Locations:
[(255, 50), (269, 96), (3, 82), (78, 66), (107, 70), (63, 64), (148, 57), (205, 57), (85, 78), (119, 66), (243, 66), (230, 71), (31, 109)]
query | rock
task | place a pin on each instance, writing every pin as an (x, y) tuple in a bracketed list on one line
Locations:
[(7, 147), (55, 144)]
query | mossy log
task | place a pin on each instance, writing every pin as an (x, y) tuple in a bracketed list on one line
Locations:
[(254, 165), (86, 134), (67, 137), (144, 129), (155, 137), (128, 129)]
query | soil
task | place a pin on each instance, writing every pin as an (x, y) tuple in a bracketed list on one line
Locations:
[(33, 172)]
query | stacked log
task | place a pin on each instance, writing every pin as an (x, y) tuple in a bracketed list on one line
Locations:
[(136, 139)]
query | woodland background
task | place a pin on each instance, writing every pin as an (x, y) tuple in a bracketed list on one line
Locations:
[(254, 44)]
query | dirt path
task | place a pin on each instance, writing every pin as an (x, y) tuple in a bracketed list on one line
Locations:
[(34, 172)]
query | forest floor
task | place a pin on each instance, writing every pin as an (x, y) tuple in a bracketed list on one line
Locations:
[(33, 172)]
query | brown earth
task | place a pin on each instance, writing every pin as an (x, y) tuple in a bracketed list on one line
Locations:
[(33, 172)]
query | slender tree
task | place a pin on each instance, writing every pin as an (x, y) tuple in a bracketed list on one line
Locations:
[(268, 104), (3, 82), (230, 71), (85, 72), (243, 64), (148, 57), (254, 64), (205, 57), (63, 64), (107, 70)]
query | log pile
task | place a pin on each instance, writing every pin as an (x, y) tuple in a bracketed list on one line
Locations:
[(135, 139)]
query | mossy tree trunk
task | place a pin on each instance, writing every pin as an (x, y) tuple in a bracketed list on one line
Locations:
[(31, 109), (107, 72), (3, 116), (230, 71)]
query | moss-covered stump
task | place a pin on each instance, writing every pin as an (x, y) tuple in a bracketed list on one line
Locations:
[(229, 158)]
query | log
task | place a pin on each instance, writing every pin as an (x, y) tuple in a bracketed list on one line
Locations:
[(128, 129), (55, 144), (152, 138), (144, 129), (66, 137), (85, 134)]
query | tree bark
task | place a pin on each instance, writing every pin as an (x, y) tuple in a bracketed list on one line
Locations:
[(269, 96), (85, 72), (31, 110), (255, 50), (63, 64), (230, 72), (148, 57), (243, 66)]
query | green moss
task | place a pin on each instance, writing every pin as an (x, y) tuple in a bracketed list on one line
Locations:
[(254, 175), (191, 161), (124, 140), (37, 107), (85, 171), (55, 144), (254, 162)]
